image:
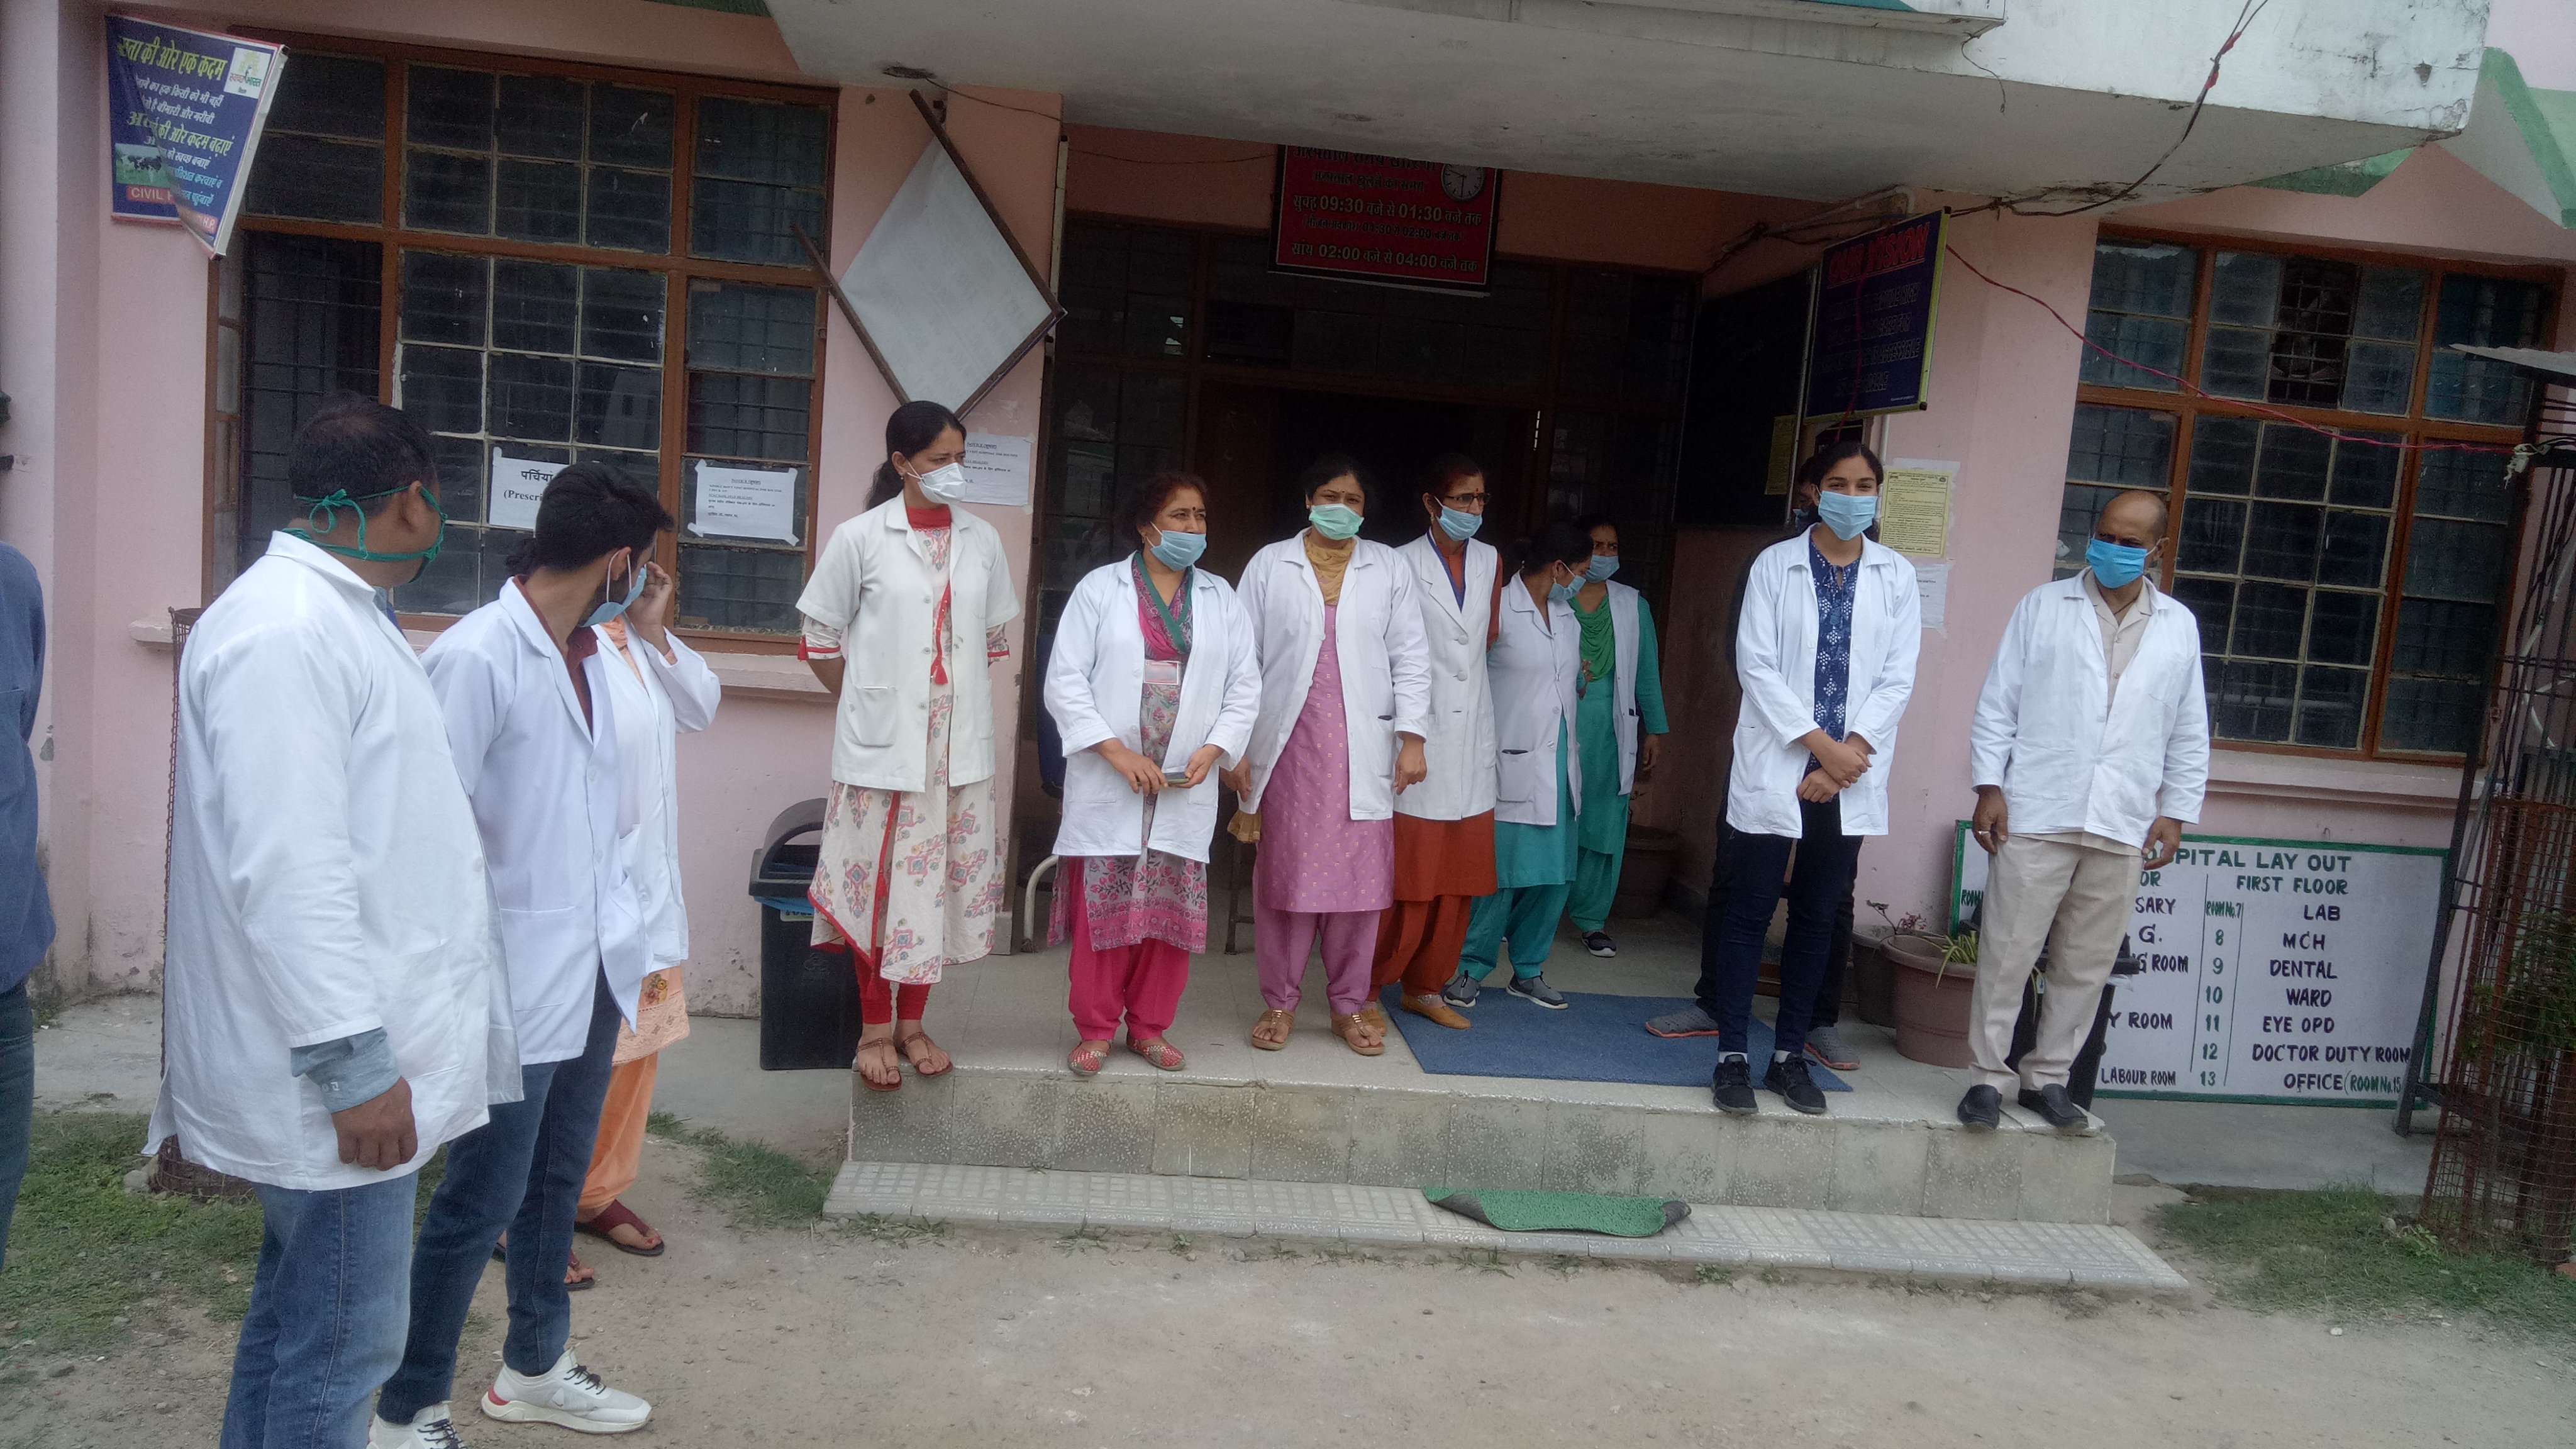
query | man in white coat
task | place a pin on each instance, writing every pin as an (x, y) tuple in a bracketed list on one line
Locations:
[(531, 726), (2090, 752), (334, 1006)]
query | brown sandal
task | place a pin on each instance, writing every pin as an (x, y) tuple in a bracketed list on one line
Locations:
[(861, 1072), (1088, 1057), (1286, 1019), (1160, 1052), (1345, 1027), (904, 1044)]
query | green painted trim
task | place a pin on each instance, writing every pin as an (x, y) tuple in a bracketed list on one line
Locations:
[(726, 7), (2548, 126), (2344, 178)]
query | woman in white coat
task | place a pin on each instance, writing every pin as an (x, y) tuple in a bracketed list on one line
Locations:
[(1824, 649), (1444, 827), (913, 594), (660, 689), (1154, 684), (1345, 703), (1537, 671)]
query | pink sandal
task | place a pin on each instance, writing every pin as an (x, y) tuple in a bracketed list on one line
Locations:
[(1160, 1052), (1088, 1057)]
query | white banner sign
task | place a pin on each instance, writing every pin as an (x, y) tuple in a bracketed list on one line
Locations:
[(2284, 971), (517, 485), (755, 503), (997, 469)]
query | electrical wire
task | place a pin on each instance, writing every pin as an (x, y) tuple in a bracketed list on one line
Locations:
[(945, 87)]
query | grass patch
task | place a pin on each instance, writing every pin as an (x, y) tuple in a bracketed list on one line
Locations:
[(84, 1252), (758, 1186), (2329, 1251)]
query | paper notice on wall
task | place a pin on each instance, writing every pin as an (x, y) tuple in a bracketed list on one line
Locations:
[(745, 503), (517, 485), (997, 469), (1784, 456), (1932, 581), (1914, 507)]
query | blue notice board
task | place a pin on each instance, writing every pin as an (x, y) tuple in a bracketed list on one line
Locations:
[(185, 110), (1870, 336)]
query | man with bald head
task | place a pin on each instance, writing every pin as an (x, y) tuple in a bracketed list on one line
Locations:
[(2090, 752)]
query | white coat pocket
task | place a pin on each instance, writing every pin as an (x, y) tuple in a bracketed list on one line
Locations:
[(872, 713)]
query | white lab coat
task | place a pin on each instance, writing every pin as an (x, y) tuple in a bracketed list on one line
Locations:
[(1095, 685), (657, 701), (326, 879), (1459, 750), (874, 583), (2067, 753), (1386, 674), (1624, 641), (1775, 661), (545, 786), (1536, 672)]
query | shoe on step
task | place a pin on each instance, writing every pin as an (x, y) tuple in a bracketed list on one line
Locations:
[(1535, 989), (1731, 1087), (2056, 1108), (1982, 1109), (1826, 1045), (431, 1428), (1797, 1087), (1460, 993), (567, 1395), (1599, 943)]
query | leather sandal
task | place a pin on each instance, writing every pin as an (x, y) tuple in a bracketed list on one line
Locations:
[(1161, 1053), (903, 1045), (1287, 1019), (1088, 1057), (871, 1083), (1347, 1027), (617, 1215)]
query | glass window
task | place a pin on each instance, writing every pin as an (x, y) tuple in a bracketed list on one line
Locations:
[(2482, 312), (311, 320), (759, 171), (322, 157), (2141, 310), (2312, 331), (751, 371)]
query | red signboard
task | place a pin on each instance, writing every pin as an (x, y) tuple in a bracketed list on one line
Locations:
[(1382, 218)]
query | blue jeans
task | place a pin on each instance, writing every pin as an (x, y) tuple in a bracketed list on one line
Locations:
[(1731, 956), (521, 1171), (326, 1315), (17, 1099)]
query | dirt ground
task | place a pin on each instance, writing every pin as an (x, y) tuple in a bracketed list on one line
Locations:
[(1003, 1338)]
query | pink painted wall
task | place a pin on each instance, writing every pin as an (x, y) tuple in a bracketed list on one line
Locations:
[(112, 511)]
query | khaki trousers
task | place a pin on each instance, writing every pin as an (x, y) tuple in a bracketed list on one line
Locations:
[(2035, 889)]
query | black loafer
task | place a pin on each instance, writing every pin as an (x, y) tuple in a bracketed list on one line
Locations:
[(1982, 1110), (1732, 1088), (2056, 1108), (1789, 1077)]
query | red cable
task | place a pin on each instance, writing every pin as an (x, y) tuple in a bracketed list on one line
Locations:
[(2189, 386)]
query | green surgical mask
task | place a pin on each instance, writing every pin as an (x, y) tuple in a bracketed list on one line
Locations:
[(1334, 521), (318, 520)]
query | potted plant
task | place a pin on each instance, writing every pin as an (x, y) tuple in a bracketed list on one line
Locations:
[(1935, 977)]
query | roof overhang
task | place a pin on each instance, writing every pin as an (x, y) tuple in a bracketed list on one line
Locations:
[(2522, 139)]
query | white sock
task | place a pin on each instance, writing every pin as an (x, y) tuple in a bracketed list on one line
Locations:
[(1730, 1056), (1778, 1057)]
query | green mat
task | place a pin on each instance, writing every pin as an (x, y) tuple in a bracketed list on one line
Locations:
[(1559, 1212)]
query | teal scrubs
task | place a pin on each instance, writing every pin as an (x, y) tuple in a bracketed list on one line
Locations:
[(1534, 866)]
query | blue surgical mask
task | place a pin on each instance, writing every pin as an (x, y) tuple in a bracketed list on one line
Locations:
[(2115, 565), (1179, 550), (1802, 519), (614, 607), (1559, 593), (1334, 521), (1459, 526), (1603, 565), (1849, 515)]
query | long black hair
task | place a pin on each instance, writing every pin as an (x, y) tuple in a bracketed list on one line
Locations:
[(1822, 461), (1557, 542), (914, 426)]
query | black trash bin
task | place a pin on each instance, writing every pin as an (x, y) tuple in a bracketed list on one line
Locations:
[(809, 999)]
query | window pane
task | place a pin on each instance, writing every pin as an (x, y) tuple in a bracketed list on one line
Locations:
[(621, 314), (2150, 277), (442, 388), (761, 141), (630, 127), (2330, 707), (2245, 289), (737, 415), (2127, 447), (2391, 304), (531, 397), (540, 115), (2379, 377), (2449, 560), (2482, 312), (628, 210), (2431, 714), (1156, 326), (450, 108), (2282, 542), (619, 407), (444, 298), (2222, 454), (740, 588), (2270, 618), (2436, 637), (2475, 390), (310, 311), (539, 201), (2459, 483), (329, 95), (743, 222), (2213, 536), (2293, 463), (534, 306), (460, 475), (443, 191), (317, 180), (2078, 510), (2251, 701), (735, 327), (2151, 342), (2306, 369), (2365, 474), (2356, 548), (2213, 605), (2343, 628), (2236, 362)]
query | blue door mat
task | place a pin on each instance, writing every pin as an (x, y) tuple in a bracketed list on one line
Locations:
[(1596, 1039)]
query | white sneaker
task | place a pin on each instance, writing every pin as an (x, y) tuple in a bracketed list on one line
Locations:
[(567, 1395), (428, 1429)]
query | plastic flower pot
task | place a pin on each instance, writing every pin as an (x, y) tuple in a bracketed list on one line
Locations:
[(1932, 1002)]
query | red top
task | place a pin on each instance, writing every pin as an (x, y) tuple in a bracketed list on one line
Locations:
[(932, 517)]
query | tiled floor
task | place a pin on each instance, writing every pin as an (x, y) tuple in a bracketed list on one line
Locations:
[(2077, 1254)]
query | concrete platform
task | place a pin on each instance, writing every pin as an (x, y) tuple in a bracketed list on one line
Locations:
[(2082, 1255), (1318, 1113)]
